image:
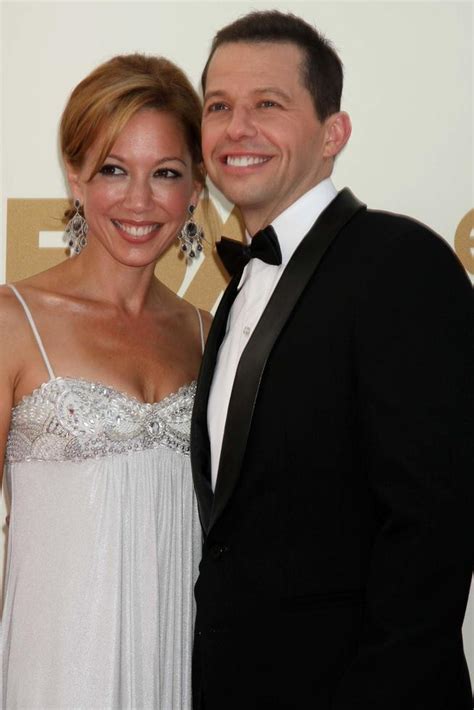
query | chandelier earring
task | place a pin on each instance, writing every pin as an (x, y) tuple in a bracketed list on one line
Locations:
[(76, 230), (191, 235)]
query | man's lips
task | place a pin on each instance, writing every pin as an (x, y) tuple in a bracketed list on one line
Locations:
[(245, 160)]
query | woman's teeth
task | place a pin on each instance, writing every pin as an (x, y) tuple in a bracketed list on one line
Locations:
[(136, 231)]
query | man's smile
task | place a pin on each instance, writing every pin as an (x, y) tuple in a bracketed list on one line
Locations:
[(244, 161)]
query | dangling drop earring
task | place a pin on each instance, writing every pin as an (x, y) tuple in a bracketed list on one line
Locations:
[(76, 230), (191, 236)]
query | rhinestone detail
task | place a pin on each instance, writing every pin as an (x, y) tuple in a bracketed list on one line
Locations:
[(69, 419)]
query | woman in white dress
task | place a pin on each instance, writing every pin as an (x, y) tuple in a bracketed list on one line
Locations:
[(98, 364)]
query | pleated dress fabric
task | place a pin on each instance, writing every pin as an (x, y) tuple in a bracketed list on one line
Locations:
[(103, 549)]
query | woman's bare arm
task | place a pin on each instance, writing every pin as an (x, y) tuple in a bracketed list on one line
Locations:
[(10, 358)]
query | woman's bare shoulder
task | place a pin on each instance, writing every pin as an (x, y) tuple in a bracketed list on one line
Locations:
[(189, 313), (50, 282), (9, 307), (13, 326), (196, 316), (206, 321)]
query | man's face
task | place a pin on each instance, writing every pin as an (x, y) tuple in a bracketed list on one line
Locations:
[(263, 144)]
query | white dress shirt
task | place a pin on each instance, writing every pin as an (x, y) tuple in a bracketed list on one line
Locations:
[(256, 286)]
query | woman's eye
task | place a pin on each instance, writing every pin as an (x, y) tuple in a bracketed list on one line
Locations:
[(168, 173), (109, 169)]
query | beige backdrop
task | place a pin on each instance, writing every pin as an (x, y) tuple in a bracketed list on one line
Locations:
[(408, 88), (35, 241), (33, 224)]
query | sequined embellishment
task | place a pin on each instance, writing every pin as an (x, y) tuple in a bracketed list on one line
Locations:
[(70, 419)]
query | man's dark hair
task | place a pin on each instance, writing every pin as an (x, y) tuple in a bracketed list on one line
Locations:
[(321, 69)]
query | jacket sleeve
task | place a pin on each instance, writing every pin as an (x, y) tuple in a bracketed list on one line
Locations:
[(415, 364)]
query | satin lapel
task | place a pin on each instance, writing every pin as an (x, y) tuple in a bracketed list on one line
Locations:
[(298, 272), (200, 450)]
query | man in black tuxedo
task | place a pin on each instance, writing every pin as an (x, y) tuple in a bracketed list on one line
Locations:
[(332, 431)]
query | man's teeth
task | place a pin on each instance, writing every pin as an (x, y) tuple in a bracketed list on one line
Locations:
[(136, 231), (242, 161)]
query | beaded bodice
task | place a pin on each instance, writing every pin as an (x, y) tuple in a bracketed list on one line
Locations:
[(70, 419)]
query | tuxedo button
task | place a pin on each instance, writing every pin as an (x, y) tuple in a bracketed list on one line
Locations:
[(219, 549)]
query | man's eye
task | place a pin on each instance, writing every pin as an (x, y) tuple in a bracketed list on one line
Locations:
[(167, 173), (109, 169), (218, 106), (268, 104)]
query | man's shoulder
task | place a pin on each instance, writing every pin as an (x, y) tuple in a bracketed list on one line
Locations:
[(380, 240), (378, 228), (381, 230), (394, 222)]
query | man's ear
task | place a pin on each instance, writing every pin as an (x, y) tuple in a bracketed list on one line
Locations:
[(338, 130), (74, 182)]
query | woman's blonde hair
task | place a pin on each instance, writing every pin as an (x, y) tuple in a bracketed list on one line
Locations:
[(101, 105)]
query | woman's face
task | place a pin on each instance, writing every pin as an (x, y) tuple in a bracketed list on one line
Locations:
[(137, 202)]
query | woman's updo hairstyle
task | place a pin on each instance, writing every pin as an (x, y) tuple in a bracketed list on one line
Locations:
[(102, 104)]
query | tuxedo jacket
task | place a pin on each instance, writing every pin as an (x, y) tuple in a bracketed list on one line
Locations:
[(338, 546)]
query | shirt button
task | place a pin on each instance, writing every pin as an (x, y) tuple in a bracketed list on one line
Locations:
[(219, 549), (246, 330)]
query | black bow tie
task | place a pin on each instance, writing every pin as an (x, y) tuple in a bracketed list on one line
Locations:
[(235, 255)]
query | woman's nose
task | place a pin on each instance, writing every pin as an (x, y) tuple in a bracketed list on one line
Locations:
[(139, 195)]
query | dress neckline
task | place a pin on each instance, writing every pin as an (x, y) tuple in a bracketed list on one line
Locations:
[(107, 389)]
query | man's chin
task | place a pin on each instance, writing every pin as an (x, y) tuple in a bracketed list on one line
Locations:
[(244, 196)]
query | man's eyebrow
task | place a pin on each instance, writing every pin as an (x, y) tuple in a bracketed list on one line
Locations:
[(213, 94), (273, 90), (222, 94)]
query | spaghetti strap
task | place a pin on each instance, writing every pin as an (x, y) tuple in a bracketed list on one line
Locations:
[(201, 329), (35, 331)]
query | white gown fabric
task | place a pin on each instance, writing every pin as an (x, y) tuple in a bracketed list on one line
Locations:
[(103, 549)]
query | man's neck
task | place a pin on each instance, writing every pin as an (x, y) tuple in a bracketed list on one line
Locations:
[(294, 223), (260, 217)]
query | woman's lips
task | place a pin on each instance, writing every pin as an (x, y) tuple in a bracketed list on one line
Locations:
[(136, 231)]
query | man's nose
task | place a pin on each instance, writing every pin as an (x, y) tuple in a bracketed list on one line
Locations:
[(241, 123)]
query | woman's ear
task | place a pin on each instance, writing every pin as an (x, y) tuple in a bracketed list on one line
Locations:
[(74, 182), (199, 175), (198, 188)]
